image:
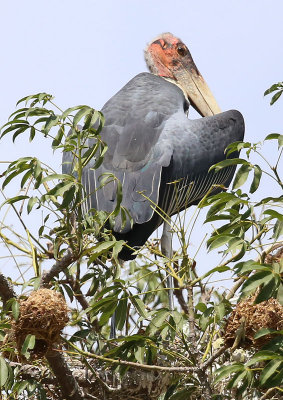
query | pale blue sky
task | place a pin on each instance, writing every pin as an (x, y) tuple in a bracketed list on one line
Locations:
[(83, 51)]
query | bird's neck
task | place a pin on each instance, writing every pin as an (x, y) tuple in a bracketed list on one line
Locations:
[(177, 84)]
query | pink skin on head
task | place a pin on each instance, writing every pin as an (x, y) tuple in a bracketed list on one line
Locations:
[(168, 57), (166, 54)]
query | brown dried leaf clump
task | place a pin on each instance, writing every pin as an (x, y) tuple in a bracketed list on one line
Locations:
[(267, 314), (43, 314)]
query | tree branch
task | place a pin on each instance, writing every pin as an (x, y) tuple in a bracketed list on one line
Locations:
[(81, 299), (178, 292), (68, 384), (267, 394), (214, 356), (58, 267), (133, 364)]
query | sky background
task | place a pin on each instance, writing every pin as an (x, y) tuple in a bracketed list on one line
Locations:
[(83, 52)]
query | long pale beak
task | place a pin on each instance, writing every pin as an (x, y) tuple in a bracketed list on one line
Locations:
[(197, 91)]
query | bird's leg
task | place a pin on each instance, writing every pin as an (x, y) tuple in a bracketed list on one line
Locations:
[(166, 249), (113, 327), (113, 319)]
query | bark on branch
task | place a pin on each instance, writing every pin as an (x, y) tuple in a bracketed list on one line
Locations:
[(68, 384), (58, 267)]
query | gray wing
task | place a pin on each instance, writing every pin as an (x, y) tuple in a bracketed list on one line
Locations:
[(150, 143), (196, 146), (135, 119)]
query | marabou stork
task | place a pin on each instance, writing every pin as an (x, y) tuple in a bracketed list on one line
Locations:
[(151, 143)]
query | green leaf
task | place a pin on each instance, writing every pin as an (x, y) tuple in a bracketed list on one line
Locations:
[(13, 175), (263, 356), (80, 114), (58, 190), (68, 196), (278, 229), (268, 290), (275, 136), (228, 163), (266, 331), (220, 310), (256, 179), (241, 176), (236, 379), (275, 97), (256, 280), (251, 266), (32, 201), (117, 248), (119, 196), (19, 387), (269, 370), (237, 146), (91, 119), (139, 306), (222, 268), (58, 138), (99, 305), (121, 313), (139, 354), (67, 112), (218, 241), (52, 177), (274, 214), (108, 312), (99, 249), (4, 372), (157, 321), (201, 307), (274, 87), (19, 131), (28, 344), (32, 133), (51, 121), (26, 176), (13, 200), (223, 372)]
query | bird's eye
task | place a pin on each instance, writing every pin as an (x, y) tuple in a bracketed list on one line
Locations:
[(182, 51)]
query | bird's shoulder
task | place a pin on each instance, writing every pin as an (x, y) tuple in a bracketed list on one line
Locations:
[(141, 95), (135, 118)]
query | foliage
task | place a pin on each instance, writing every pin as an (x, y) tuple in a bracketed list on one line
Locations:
[(183, 348)]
